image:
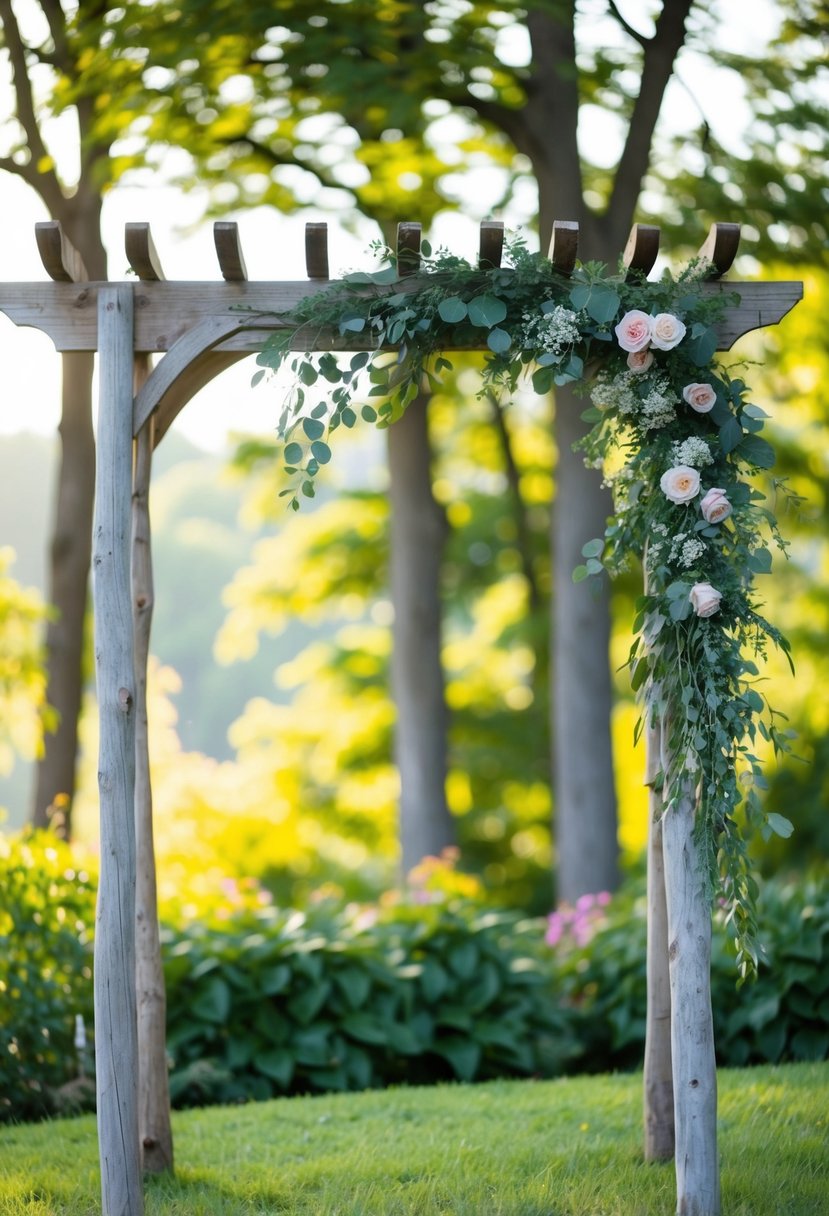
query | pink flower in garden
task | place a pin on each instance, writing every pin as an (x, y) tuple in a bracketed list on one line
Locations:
[(667, 331), (715, 506), (640, 360), (633, 332), (700, 397)]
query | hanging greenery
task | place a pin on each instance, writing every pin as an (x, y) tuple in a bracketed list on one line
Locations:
[(678, 441)]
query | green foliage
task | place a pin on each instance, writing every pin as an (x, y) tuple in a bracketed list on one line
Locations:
[(415, 992), (782, 1015), (24, 714), (47, 910)]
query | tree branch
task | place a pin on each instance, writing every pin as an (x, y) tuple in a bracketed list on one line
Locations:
[(522, 530), (276, 159), (46, 183), (660, 55), (626, 26), (27, 172)]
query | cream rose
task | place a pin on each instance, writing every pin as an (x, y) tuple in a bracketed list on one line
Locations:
[(680, 484), (667, 331), (715, 506), (640, 360), (700, 397), (633, 332), (705, 599)]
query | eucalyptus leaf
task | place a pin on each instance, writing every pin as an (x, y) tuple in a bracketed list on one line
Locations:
[(452, 310), (486, 311)]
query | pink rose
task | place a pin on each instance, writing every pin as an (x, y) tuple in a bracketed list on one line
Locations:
[(715, 506), (667, 331), (634, 330), (700, 397), (640, 360), (680, 484), (705, 599)]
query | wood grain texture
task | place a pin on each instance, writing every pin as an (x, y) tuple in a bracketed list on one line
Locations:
[(164, 312), (59, 256), (229, 251), (154, 1127), (408, 248), (692, 1027), (720, 248), (141, 253), (642, 249), (116, 1046), (316, 251)]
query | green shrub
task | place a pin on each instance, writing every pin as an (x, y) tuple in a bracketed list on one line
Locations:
[(333, 1001), (783, 1015), (47, 909)]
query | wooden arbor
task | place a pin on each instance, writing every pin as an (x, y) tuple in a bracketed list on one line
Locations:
[(199, 329)]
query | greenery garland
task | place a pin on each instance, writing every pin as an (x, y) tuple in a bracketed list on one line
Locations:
[(678, 441)]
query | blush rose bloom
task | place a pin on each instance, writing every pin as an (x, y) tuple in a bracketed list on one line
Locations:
[(680, 484), (667, 331), (715, 506), (640, 360), (634, 330), (700, 397), (705, 599)]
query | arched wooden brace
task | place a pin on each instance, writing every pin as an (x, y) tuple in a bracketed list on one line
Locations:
[(720, 248), (564, 246), (141, 253), (316, 251), (642, 249), (59, 256), (229, 251), (491, 245)]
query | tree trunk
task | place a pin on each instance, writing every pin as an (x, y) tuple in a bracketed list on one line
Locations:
[(67, 591), (692, 1028), (658, 1068), (418, 530), (154, 1128), (585, 797), (71, 543)]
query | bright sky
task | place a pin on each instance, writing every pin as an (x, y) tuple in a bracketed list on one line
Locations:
[(273, 246)]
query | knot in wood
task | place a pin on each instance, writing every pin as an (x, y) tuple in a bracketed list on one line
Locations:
[(150, 1142), (124, 700)]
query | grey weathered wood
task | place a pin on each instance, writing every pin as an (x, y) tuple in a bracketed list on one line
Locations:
[(141, 253), (642, 248), (59, 256), (229, 251), (491, 244), (316, 251), (720, 248), (154, 1127), (564, 246), (658, 1089), (164, 312), (116, 1048), (692, 1029)]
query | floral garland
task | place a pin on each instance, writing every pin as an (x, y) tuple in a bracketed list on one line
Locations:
[(643, 353)]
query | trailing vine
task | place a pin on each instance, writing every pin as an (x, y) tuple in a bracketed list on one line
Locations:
[(679, 442)]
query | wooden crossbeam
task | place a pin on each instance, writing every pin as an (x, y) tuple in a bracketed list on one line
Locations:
[(316, 251), (564, 246), (59, 256), (141, 253), (229, 251)]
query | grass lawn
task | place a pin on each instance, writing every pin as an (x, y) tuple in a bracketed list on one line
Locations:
[(555, 1148)]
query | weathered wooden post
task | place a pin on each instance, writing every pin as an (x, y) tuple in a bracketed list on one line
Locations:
[(116, 1045)]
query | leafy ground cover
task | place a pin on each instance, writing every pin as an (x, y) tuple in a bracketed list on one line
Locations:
[(569, 1147)]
